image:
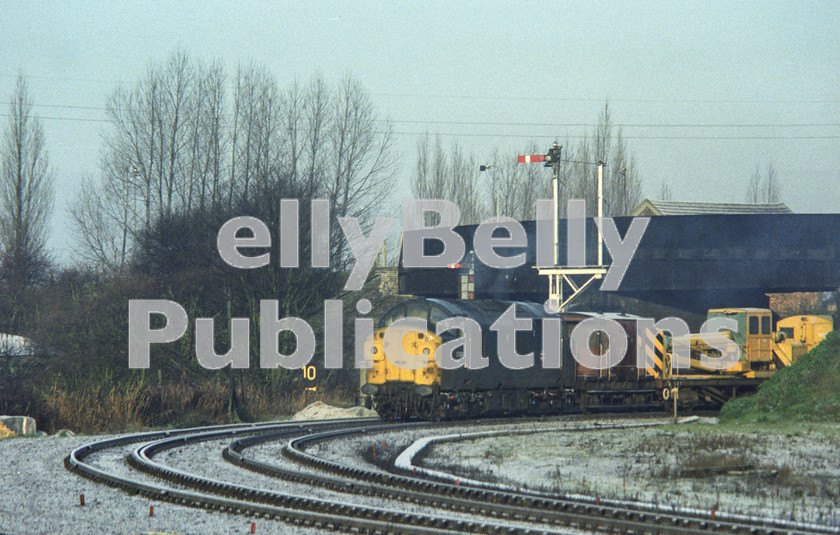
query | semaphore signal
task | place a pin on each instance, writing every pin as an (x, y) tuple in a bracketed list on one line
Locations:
[(533, 158), (558, 275)]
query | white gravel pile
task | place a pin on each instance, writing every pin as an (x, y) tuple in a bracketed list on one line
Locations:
[(322, 411)]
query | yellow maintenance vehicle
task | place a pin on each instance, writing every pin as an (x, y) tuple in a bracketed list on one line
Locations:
[(761, 351), (797, 335)]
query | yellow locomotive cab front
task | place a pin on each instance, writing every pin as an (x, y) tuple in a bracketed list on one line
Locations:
[(414, 344)]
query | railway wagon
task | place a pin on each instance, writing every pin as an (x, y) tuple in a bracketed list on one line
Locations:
[(431, 392)]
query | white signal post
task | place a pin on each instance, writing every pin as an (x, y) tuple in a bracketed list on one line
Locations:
[(558, 275), (600, 212)]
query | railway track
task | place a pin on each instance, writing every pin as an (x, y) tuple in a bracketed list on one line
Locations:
[(439, 507)]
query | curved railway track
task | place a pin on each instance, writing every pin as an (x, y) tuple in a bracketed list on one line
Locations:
[(438, 507)]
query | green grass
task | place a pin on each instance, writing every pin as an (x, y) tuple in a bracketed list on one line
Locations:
[(807, 391)]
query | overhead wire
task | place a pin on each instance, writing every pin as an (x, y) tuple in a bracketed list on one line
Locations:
[(543, 125), (550, 136), (512, 123)]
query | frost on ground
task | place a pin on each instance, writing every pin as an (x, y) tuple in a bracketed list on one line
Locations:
[(40, 496), (791, 473)]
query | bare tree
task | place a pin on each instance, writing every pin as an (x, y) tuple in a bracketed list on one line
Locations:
[(206, 141), (26, 192), (104, 219), (622, 185), (579, 174), (764, 189), (360, 162), (665, 193), (534, 184), (317, 102), (754, 187), (451, 175), (515, 188), (772, 187), (164, 152), (149, 163), (512, 190), (420, 181), (187, 138), (465, 185), (505, 177)]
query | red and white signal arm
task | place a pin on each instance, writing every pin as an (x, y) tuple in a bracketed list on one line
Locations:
[(532, 158)]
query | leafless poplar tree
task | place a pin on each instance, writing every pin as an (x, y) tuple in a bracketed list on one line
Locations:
[(622, 183), (465, 185), (764, 189), (26, 192), (665, 193), (514, 188), (187, 139), (256, 103), (360, 165), (772, 187), (317, 127), (451, 175), (151, 164)]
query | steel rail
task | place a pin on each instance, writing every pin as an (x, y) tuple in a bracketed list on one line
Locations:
[(232, 453), (141, 459), (256, 502), (618, 516)]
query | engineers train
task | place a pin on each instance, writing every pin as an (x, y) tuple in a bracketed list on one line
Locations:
[(558, 380)]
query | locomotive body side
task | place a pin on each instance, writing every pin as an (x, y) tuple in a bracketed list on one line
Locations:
[(494, 388)]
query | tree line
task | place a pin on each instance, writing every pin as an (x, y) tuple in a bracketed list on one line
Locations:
[(191, 138), (508, 188)]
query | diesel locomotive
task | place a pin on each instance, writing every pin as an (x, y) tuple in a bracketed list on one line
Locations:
[(558, 380)]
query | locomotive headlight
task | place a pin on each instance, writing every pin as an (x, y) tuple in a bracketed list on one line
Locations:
[(422, 390)]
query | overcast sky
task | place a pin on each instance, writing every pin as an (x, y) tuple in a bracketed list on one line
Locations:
[(706, 90)]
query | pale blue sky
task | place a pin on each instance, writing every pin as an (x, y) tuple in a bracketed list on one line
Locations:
[(754, 69)]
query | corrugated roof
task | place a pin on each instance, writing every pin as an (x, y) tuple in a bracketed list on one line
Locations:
[(659, 207)]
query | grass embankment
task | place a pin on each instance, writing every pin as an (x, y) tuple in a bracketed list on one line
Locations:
[(807, 391)]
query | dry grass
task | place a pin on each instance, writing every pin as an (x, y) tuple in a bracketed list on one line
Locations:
[(100, 409)]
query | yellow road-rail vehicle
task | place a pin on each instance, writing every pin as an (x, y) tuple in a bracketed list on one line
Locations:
[(556, 381), (761, 351)]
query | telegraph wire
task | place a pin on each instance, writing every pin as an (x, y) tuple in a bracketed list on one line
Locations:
[(525, 123), (528, 136), (594, 99), (515, 124)]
